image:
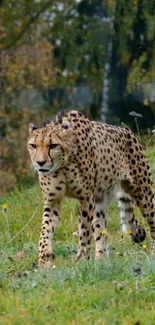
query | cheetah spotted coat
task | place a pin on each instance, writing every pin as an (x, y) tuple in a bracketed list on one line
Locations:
[(92, 162)]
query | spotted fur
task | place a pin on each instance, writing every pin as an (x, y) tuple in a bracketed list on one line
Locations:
[(93, 163)]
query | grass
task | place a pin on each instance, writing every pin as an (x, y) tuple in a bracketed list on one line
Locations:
[(119, 290)]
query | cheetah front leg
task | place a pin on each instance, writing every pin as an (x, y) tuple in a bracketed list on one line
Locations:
[(50, 221), (86, 217), (53, 190)]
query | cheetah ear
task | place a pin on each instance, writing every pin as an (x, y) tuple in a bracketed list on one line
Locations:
[(32, 128), (52, 123), (66, 123)]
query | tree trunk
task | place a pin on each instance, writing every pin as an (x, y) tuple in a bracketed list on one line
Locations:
[(107, 70)]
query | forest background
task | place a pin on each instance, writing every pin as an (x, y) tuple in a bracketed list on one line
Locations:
[(94, 56)]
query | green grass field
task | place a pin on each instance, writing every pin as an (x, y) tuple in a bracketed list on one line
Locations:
[(117, 290)]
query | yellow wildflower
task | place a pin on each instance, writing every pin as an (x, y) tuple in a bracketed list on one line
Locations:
[(104, 232), (4, 206), (144, 246), (118, 254)]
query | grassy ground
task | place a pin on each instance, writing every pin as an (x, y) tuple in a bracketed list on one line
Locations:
[(118, 290)]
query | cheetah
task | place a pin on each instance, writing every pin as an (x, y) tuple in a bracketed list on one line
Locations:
[(91, 162)]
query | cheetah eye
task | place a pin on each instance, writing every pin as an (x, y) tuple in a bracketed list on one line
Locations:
[(33, 145), (52, 146)]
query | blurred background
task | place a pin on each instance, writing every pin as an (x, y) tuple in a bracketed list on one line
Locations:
[(94, 56)]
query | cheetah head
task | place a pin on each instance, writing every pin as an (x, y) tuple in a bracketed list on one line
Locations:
[(51, 147)]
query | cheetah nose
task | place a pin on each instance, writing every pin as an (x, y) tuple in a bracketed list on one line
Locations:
[(41, 163)]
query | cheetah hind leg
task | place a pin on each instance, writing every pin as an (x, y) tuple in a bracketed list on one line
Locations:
[(84, 235), (100, 232), (128, 220)]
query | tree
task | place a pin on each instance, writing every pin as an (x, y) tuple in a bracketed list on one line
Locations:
[(133, 60), (95, 56), (50, 48)]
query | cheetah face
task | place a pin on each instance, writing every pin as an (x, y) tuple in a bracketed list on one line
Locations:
[(49, 148)]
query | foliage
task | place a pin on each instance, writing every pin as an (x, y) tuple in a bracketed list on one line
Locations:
[(76, 40), (30, 65), (53, 55), (135, 47), (14, 160)]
